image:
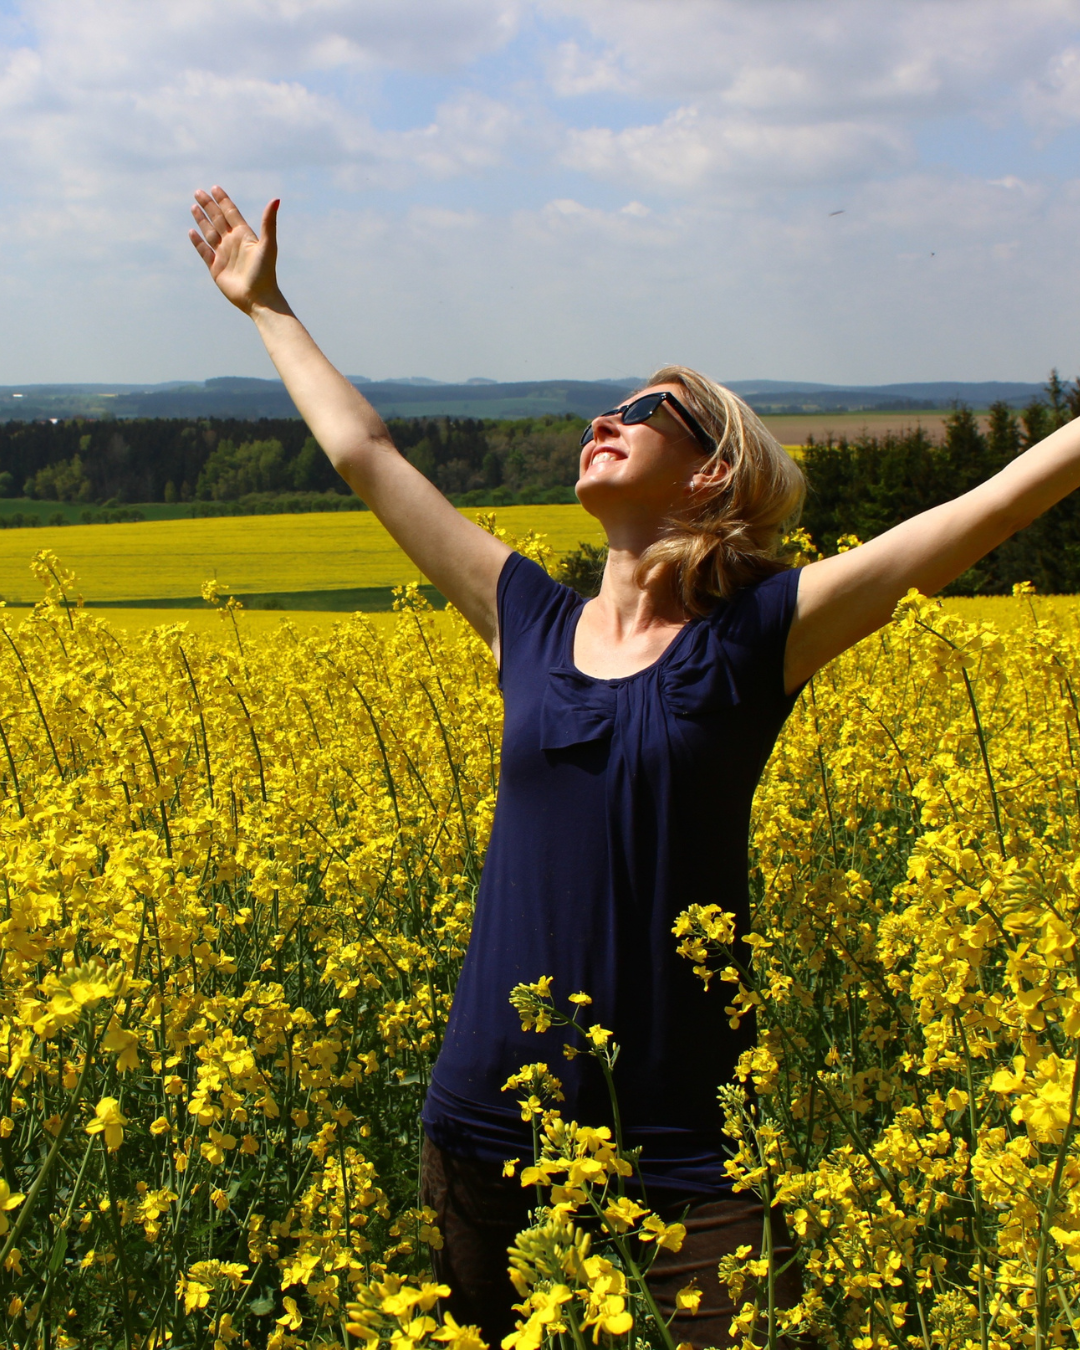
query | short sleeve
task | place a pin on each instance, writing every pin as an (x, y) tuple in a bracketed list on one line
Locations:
[(754, 629), (530, 606)]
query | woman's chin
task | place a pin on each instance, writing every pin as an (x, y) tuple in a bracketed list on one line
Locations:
[(592, 492)]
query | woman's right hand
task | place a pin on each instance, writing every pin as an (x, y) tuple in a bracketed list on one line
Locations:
[(243, 264)]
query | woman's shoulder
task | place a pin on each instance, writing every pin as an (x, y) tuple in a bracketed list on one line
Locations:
[(530, 601), (751, 629), (760, 606), (524, 583)]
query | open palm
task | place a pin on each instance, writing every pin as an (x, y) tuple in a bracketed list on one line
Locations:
[(242, 263)]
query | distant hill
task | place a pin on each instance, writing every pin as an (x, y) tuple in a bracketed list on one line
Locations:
[(416, 396), (776, 396)]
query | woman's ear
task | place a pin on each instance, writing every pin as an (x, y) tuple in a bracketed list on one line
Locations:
[(709, 481)]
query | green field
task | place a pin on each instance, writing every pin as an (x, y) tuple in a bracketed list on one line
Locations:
[(72, 511), (344, 560)]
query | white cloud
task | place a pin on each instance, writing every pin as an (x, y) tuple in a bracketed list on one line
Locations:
[(690, 149), (107, 39), (113, 100), (628, 181), (833, 59), (470, 132), (573, 71), (789, 93), (1052, 101)]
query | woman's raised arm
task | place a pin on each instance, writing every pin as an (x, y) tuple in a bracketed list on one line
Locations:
[(461, 559), (843, 599)]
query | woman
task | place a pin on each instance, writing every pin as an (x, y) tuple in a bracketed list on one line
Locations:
[(636, 727)]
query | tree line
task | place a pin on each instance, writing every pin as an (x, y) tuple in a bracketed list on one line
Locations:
[(858, 485), (867, 484), (227, 460)]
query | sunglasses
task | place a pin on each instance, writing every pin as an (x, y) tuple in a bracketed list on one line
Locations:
[(641, 409)]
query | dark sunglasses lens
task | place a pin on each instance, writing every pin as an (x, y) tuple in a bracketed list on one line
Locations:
[(641, 409), (586, 435)]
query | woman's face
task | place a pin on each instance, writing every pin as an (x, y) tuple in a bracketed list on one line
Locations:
[(642, 471)]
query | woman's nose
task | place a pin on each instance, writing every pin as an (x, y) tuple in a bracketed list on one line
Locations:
[(605, 425)]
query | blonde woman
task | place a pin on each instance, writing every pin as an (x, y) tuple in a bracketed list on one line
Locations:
[(636, 727)]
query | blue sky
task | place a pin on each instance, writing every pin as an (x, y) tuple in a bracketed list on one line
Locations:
[(529, 189)]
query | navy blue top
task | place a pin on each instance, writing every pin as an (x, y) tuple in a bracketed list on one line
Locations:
[(620, 803)]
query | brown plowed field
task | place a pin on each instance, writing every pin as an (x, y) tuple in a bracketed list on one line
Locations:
[(795, 429)]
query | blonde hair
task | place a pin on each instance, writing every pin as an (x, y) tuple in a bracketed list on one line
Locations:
[(732, 534)]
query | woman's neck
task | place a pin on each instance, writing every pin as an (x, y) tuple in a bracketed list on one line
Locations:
[(629, 606), (628, 626)]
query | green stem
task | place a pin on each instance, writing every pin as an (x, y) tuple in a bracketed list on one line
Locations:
[(59, 1247), (980, 736), (27, 1207), (984, 1316), (114, 1213), (641, 1280)]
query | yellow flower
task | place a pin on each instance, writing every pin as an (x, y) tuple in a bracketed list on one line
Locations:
[(214, 1151), (9, 1200), (624, 1213), (109, 1122), (292, 1319), (86, 992), (461, 1338), (688, 1298), (669, 1235), (126, 1045)]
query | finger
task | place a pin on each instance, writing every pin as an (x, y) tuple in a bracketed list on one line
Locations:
[(205, 252), (228, 207), (212, 210), (206, 226), (268, 232)]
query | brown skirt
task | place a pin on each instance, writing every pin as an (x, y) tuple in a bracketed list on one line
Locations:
[(480, 1212)]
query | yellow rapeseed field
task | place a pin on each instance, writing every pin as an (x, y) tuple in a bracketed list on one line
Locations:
[(1000, 610), (264, 623), (238, 881), (166, 559)]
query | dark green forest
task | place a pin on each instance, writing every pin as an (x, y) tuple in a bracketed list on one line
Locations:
[(866, 485), (860, 486), (225, 461)]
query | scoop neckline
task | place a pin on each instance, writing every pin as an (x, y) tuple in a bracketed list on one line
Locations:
[(568, 653)]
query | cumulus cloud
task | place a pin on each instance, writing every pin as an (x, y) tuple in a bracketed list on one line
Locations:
[(691, 148), (115, 86), (469, 132), (774, 92), (832, 60), (502, 184), (110, 39)]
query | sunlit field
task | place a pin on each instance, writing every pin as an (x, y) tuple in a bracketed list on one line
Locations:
[(213, 624), (240, 858), (1004, 611), (171, 558)]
